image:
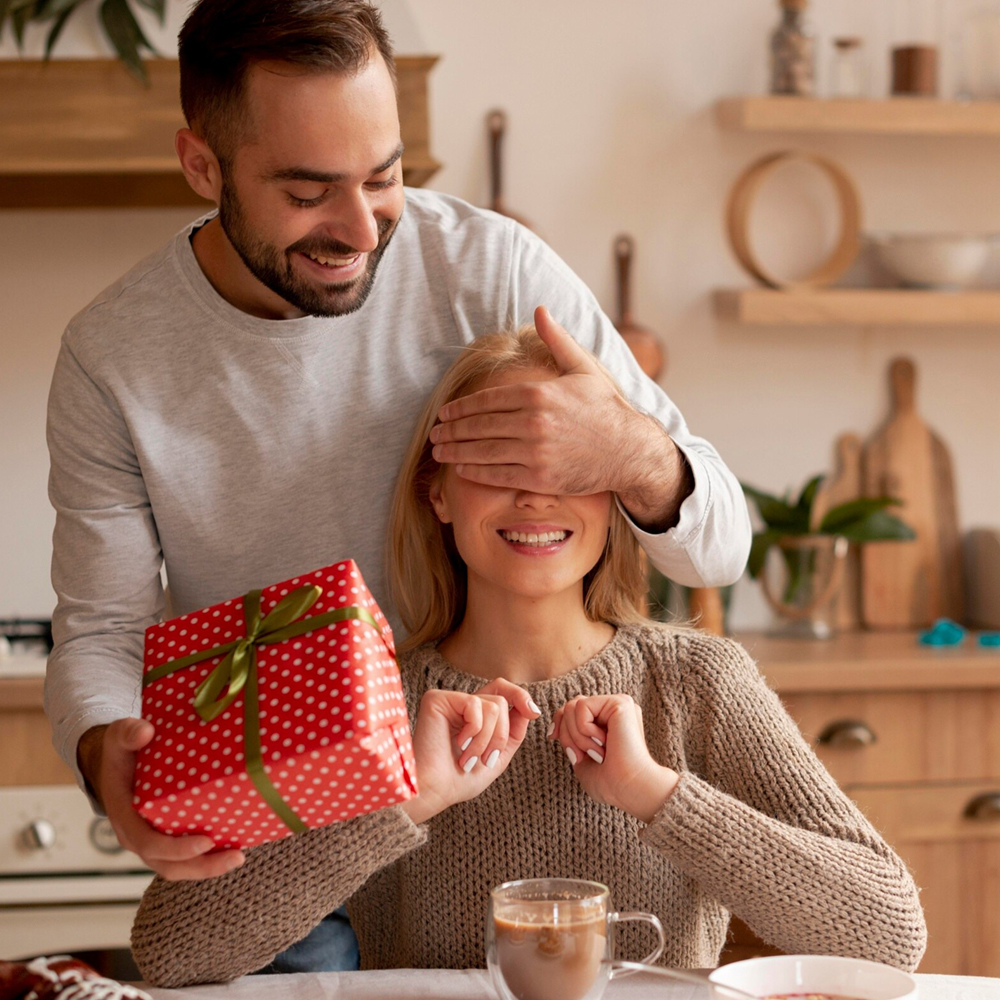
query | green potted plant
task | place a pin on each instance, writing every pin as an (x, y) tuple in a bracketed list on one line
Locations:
[(814, 549), (116, 17)]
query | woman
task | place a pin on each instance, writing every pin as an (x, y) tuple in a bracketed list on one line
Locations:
[(557, 733)]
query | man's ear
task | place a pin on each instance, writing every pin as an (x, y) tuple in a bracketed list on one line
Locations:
[(438, 502), (200, 165)]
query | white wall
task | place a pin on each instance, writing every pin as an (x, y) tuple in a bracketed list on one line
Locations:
[(610, 129)]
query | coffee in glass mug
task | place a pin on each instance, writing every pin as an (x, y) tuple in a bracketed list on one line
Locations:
[(553, 939)]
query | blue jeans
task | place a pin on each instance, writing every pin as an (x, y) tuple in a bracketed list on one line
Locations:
[(329, 947)]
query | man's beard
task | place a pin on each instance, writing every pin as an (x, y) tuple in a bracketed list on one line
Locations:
[(273, 268)]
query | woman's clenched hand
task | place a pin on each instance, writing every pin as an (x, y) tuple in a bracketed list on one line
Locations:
[(464, 742), (605, 742)]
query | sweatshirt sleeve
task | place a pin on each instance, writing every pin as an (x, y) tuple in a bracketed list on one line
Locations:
[(709, 545), (105, 562), (767, 831), (216, 930)]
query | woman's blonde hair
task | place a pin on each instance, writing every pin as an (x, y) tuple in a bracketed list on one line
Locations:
[(427, 576)]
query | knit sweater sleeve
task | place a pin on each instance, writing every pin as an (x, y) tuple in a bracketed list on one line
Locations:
[(215, 930), (767, 831)]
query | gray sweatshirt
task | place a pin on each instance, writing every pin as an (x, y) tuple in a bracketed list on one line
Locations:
[(236, 451)]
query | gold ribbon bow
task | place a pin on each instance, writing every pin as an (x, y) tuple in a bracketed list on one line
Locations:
[(237, 672)]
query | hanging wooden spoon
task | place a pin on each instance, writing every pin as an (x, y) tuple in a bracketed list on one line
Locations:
[(642, 342), (496, 124)]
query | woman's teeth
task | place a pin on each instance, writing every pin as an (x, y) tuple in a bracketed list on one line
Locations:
[(333, 261), (545, 538)]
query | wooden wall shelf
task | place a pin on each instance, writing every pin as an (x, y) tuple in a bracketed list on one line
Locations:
[(858, 307), (893, 116), (82, 133)]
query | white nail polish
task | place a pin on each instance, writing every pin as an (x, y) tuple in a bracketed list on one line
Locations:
[(470, 764), (552, 729), (595, 756), (465, 745), (491, 761), (571, 753), (600, 743), (534, 707)]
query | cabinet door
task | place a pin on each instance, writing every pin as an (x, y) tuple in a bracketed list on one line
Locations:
[(955, 859)]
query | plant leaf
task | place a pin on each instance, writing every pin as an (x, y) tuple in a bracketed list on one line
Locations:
[(46, 10), (759, 547), (19, 18), (774, 512), (56, 30), (125, 35), (808, 495), (878, 526), (844, 515)]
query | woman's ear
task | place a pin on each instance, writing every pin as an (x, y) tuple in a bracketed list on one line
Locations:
[(438, 502)]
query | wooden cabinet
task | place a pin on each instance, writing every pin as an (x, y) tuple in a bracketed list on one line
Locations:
[(27, 756), (913, 736)]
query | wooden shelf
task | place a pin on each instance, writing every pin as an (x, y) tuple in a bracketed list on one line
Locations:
[(871, 661), (893, 116), (83, 133), (858, 307)]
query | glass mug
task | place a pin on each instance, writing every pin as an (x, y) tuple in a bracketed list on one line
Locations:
[(553, 939)]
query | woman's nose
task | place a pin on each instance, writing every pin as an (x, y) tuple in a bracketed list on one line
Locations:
[(536, 501)]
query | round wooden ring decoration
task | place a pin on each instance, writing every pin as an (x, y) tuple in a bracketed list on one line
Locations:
[(741, 200)]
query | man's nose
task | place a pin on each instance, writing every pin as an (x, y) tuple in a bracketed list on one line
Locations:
[(354, 223)]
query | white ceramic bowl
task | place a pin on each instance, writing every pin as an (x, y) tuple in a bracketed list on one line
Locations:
[(928, 261), (847, 977)]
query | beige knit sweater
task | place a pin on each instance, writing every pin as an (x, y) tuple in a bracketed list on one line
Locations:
[(755, 827)]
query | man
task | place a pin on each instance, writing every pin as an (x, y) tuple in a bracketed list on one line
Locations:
[(236, 406)]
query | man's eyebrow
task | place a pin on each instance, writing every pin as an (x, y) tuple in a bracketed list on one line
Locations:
[(305, 174)]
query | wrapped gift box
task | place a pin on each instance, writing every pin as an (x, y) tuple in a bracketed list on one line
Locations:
[(274, 712)]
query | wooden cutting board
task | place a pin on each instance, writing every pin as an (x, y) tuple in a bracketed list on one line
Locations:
[(909, 584), (842, 485)]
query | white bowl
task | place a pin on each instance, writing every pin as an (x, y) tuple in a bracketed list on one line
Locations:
[(928, 261), (845, 977)]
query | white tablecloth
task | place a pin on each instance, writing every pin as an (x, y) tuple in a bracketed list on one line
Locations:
[(433, 984)]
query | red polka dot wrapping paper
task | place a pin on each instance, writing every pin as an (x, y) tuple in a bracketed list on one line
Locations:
[(334, 732)]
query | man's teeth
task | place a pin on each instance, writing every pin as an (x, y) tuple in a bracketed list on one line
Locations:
[(333, 261), (545, 538)]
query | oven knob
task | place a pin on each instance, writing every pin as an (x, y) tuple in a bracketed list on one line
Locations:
[(39, 835), (102, 836)]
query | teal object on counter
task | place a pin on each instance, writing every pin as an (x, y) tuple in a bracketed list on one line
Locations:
[(944, 632), (990, 639)]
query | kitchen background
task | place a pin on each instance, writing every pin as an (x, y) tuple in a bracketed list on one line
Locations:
[(611, 128)]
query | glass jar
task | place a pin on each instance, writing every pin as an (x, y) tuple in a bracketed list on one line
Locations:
[(979, 51), (793, 52), (848, 72), (917, 34)]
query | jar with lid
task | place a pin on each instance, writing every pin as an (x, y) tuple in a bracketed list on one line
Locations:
[(848, 73), (793, 52)]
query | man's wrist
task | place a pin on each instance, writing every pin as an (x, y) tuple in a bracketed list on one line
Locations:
[(89, 751), (660, 479)]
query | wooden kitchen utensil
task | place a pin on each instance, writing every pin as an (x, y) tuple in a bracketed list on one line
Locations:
[(496, 124), (642, 342), (910, 584), (705, 609), (842, 485)]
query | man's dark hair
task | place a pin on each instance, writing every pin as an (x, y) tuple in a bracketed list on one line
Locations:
[(222, 39)]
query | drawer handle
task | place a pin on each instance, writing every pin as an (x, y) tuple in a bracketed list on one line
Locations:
[(847, 733), (984, 807)]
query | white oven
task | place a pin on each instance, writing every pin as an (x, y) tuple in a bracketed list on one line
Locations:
[(66, 884)]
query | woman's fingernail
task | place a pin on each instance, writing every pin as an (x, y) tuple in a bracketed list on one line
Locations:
[(594, 756), (491, 761), (571, 753), (470, 764), (534, 708), (600, 743), (465, 745), (552, 729)]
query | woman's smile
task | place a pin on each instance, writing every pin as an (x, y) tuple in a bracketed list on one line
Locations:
[(535, 539)]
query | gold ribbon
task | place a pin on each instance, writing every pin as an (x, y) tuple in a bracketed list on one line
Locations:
[(237, 672)]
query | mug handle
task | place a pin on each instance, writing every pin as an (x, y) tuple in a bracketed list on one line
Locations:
[(653, 955)]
